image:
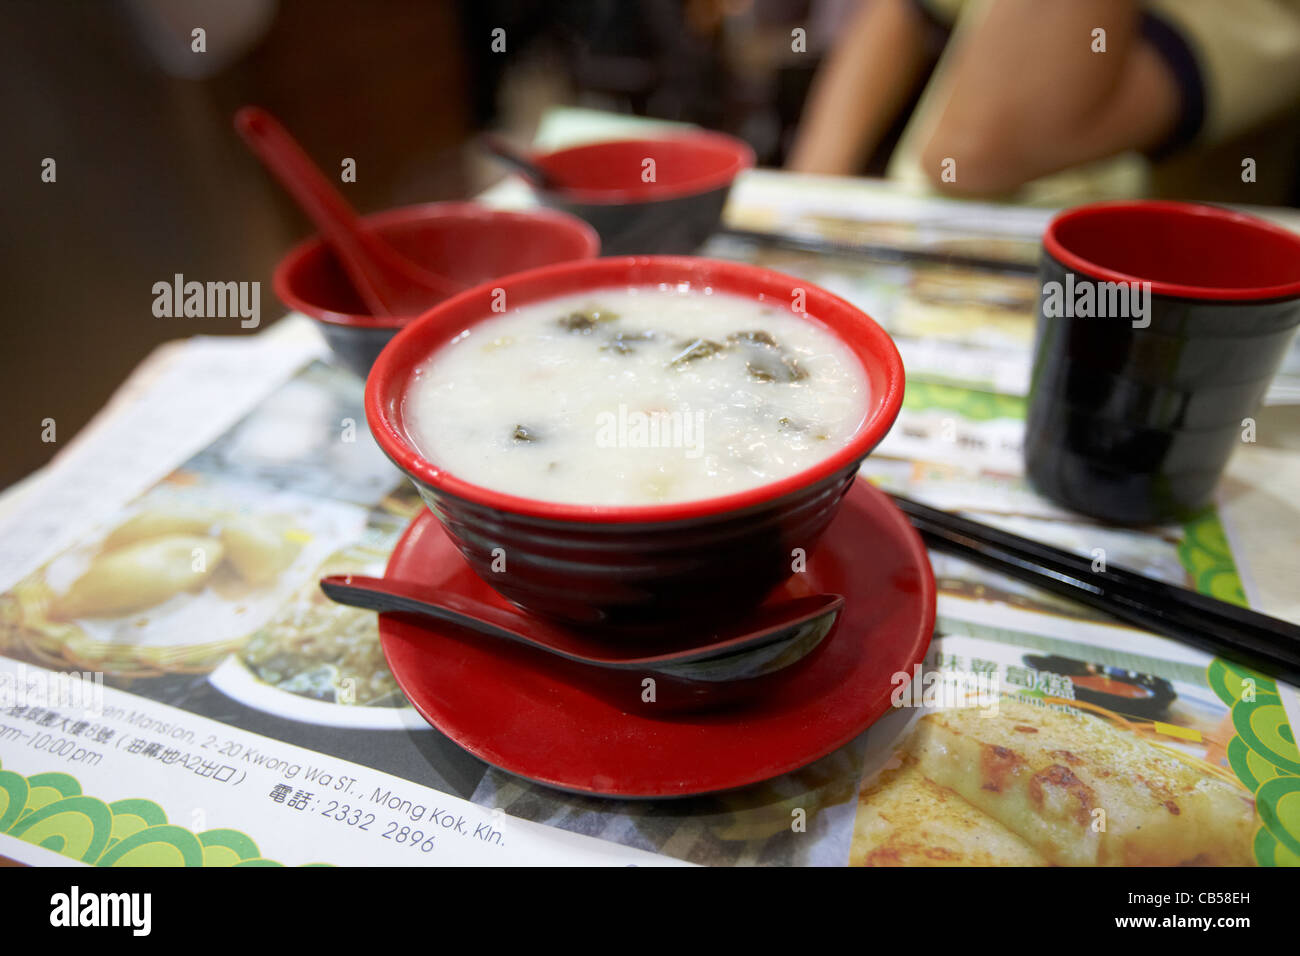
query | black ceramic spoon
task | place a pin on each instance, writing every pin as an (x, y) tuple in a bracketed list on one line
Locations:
[(767, 641)]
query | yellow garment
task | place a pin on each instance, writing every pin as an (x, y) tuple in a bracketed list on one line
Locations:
[(1248, 54)]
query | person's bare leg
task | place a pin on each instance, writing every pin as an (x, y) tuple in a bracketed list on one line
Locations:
[(1027, 96), (860, 89)]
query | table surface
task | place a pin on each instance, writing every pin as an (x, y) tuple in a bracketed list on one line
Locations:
[(1256, 501)]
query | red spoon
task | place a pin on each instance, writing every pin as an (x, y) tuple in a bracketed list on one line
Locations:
[(388, 283)]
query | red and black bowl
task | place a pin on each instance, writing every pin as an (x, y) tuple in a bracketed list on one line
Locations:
[(626, 567), (1132, 417), (647, 196), (464, 241)]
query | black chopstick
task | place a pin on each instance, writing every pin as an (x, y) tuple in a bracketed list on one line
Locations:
[(880, 252), (1267, 644)]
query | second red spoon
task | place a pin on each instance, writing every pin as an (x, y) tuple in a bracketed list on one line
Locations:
[(388, 283)]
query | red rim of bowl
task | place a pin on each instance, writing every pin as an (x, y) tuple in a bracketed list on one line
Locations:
[(1177, 290), (742, 157), (392, 372), (402, 214)]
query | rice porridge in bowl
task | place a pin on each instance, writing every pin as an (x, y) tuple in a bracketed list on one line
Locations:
[(636, 396), (626, 441)]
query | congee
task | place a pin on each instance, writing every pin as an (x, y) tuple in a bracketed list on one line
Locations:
[(635, 396)]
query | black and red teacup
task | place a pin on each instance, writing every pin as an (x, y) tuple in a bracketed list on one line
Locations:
[(1160, 327)]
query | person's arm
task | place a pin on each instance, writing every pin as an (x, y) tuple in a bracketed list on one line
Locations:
[(860, 89), (1027, 96)]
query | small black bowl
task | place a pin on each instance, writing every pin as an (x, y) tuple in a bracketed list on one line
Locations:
[(647, 196)]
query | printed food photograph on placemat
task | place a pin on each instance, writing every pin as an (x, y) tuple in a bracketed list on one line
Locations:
[(1033, 783), (309, 437), (174, 583), (319, 661)]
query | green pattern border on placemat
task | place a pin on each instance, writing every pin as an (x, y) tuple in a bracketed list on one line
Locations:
[(1207, 556), (1264, 756), (50, 811), (1263, 752)]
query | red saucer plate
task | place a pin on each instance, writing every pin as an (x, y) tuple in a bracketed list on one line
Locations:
[(507, 706)]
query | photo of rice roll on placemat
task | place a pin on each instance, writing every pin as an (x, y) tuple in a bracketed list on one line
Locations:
[(1021, 784)]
